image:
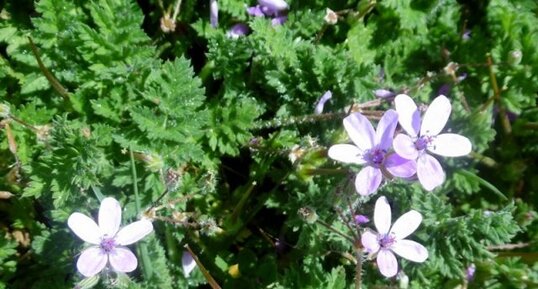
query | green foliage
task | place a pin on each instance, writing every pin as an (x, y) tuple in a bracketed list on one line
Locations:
[(215, 139)]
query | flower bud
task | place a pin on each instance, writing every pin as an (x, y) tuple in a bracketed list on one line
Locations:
[(187, 263), (361, 219), (321, 102), (308, 215), (384, 93), (4, 110), (403, 280), (514, 58), (469, 272)]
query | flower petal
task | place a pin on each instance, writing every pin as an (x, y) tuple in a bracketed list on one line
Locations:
[(321, 103), (436, 116), (346, 153), (277, 5), (133, 232), (400, 167), (406, 224), (214, 13), (360, 130), (255, 11), (188, 263), (123, 260), (91, 261), (85, 228), (109, 216), (450, 145), (386, 261), (405, 147), (368, 180), (410, 250), (408, 114), (382, 215), (429, 172), (385, 129), (369, 242)]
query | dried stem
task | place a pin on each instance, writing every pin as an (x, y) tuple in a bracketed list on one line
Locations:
[(206, 274)]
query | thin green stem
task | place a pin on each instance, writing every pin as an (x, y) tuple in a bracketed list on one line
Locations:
[(497, 96), (332, 229), (142, 246), (237, 210)]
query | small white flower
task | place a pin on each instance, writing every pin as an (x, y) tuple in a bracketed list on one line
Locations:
[(330, 17), (108, 239), (387, 241)]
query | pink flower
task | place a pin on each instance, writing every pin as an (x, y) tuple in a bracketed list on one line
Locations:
[(371, 149), (108, 239), (387, 241), (424, 136)]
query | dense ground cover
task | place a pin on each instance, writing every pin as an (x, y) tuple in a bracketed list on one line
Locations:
[(228, 143)]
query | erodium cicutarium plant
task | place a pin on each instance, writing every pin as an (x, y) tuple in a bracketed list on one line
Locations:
[(389, 240), (107, 239), (372, 149), (424, 136)]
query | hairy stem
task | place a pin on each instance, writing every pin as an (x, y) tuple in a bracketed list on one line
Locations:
[(143, 249)]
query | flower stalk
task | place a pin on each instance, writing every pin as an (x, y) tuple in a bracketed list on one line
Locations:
[(142, 248)]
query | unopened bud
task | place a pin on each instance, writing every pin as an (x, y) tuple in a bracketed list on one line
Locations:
[(469, 272), (5, 112), (4, 195), (330, 17), (403, 280), (308, 215), (154, 162), (384, 93), (361, 219), (514, 58), (42, 132)]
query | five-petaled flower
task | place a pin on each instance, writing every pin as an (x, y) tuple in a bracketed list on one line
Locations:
[(424, 136), (372, 150), (388, 240), (108, 239)]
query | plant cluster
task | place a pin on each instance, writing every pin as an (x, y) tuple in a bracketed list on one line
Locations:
[(235, 138)]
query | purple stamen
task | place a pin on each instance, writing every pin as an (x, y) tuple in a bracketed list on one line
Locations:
[(107, 244), (375, 156), (386, 241), (423, 142)]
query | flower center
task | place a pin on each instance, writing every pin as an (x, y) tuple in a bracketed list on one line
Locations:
[(107, 244), (422, 142), (375, 156), (386, 241)]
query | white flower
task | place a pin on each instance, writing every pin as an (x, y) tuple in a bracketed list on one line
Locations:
[(108, 239), (424, 135), (387, 241)]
